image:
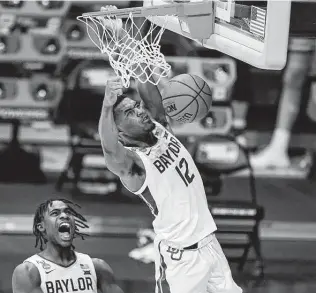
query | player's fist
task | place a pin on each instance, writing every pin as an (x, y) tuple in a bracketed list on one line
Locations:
[(114, 25), (113, 88)]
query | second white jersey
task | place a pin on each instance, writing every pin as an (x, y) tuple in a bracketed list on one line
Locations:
[(174, 191), (78, 277)]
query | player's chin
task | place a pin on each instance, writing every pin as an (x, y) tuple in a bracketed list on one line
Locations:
[(65, 239), (149, 125), (65, 244)]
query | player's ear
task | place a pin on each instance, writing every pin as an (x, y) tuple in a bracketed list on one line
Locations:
[(40, 227), (121, 137), (119, 129)]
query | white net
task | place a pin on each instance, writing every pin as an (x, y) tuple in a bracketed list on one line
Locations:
[(131, 52)]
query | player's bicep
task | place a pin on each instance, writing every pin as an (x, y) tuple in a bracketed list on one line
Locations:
[(105, 277), (151, 96), (26, 279), (119, 161)]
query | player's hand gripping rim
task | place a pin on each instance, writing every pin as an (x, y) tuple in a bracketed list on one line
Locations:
[(113, 88), (115, 25)]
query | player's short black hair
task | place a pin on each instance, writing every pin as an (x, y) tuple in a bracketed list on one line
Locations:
[(119, 100), (39, 215)]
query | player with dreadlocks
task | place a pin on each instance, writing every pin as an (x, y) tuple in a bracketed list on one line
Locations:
[(58, 268), (80, 221)]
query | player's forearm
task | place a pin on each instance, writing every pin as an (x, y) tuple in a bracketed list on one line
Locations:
[(151, 96), (108, 131)]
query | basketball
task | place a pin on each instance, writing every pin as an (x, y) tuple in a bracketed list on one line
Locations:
[(187, 98)]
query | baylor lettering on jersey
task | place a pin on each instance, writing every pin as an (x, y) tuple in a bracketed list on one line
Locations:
[(69, 285)]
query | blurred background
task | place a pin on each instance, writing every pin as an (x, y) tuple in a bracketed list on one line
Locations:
[(255, 148)]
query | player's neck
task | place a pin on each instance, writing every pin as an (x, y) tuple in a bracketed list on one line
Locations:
[(57, 254), (147, 141)]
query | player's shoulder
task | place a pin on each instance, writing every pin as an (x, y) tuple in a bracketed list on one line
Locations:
[(163, 123), (102, 268), (80, 254), (27, 268), (83, 257), (101, 264), (26, 272)]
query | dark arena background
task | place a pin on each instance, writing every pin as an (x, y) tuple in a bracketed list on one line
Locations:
[(52, 81)]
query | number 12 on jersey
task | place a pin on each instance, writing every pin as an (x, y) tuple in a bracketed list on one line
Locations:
[(183, 171)]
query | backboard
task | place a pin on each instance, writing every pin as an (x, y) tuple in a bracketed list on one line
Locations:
[(254, 32)]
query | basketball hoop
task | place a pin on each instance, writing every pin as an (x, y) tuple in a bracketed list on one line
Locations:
[(137, 54)]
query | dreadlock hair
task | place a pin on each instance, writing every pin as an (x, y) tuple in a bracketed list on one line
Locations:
[(80, 221)]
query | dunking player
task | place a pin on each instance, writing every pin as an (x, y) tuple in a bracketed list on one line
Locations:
[(152, 163), (59, 268)]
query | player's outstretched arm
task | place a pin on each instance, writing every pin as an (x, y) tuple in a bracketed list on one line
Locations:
[(118, 159), (122, 162), (26, 279), (105, 277)]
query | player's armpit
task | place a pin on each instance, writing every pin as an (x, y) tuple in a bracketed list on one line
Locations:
[(124, 163), (105, 277), (26, 279)]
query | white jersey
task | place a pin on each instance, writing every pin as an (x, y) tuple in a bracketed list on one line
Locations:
[(174, 191), (78, 277)]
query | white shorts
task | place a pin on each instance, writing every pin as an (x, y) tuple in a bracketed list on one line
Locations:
[(202, 270)]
